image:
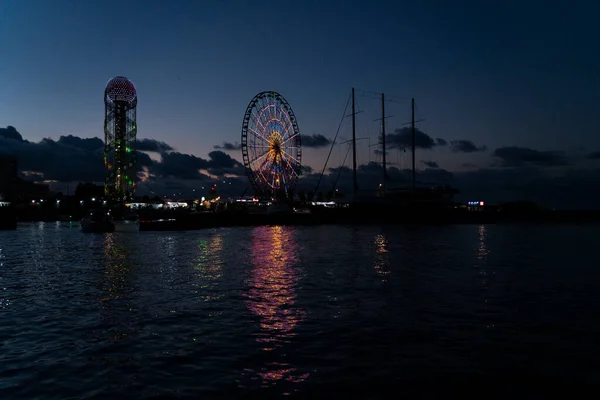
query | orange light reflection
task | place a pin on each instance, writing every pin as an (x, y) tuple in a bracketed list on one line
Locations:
[(272, 296)]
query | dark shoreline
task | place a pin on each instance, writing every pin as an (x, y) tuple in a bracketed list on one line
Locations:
[(153, 220), (179, 221)]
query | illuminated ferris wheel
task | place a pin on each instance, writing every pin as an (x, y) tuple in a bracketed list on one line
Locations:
[(271, 145)]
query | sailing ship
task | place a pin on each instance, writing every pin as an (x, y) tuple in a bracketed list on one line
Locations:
[(390, 202)]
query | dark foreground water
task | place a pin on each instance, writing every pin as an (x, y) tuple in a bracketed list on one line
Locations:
[(309, 312)]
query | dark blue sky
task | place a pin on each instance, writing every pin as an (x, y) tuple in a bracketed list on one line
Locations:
[(516, 73)]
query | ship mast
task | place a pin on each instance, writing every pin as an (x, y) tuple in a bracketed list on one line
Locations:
[(412, 123), (354, 145), (382, 119), (383, 139)]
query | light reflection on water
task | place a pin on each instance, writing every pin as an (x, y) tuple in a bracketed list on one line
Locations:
[(208, 268), (484, 270), (116, 269), (116, 286), (482, 252), (381, 260), (272, 295), (4, 302)]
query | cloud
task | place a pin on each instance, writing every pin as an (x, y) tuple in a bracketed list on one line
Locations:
[(441, 142), (227, 146), (594, 156), (306, 169), (520, 156), (402, 139), (430, 164), (465, 146), (75, 159), (336, 170), (92, 144), (11, 133), (179, 165), (55, 160), (143, 160), (370, 175), (218, 159), (220, 163), (81, 143), (153, 145), (187, 166), (314, 141)]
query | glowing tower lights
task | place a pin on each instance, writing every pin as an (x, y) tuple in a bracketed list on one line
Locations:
[(120, 131)]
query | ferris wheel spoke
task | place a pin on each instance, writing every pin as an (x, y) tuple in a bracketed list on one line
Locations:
[(259, 122), (285, 185), (294, 171), (291, 158), (264, 164), (261, 170), (260, 114), (290, 138), (272, 107), (259, 157), (292, 168), (281, 127), (258, 134)]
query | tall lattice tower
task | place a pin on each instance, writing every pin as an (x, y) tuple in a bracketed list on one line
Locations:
[(120, 131)]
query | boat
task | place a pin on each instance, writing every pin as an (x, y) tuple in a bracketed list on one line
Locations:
[(8, 218), (391, 204), (97, 221), (128, 223), (270, 208)]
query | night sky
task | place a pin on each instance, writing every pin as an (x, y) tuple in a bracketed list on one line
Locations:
[(511, 89)]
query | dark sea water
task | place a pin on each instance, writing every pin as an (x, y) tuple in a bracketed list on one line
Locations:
[(361, 312)]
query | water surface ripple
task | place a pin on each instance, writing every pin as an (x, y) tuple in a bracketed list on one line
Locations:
[(301, 311)]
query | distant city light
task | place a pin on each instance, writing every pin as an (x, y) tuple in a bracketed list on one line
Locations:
[(476, 203)]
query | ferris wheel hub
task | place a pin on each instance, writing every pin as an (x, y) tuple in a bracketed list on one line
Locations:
[(275, 142)]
